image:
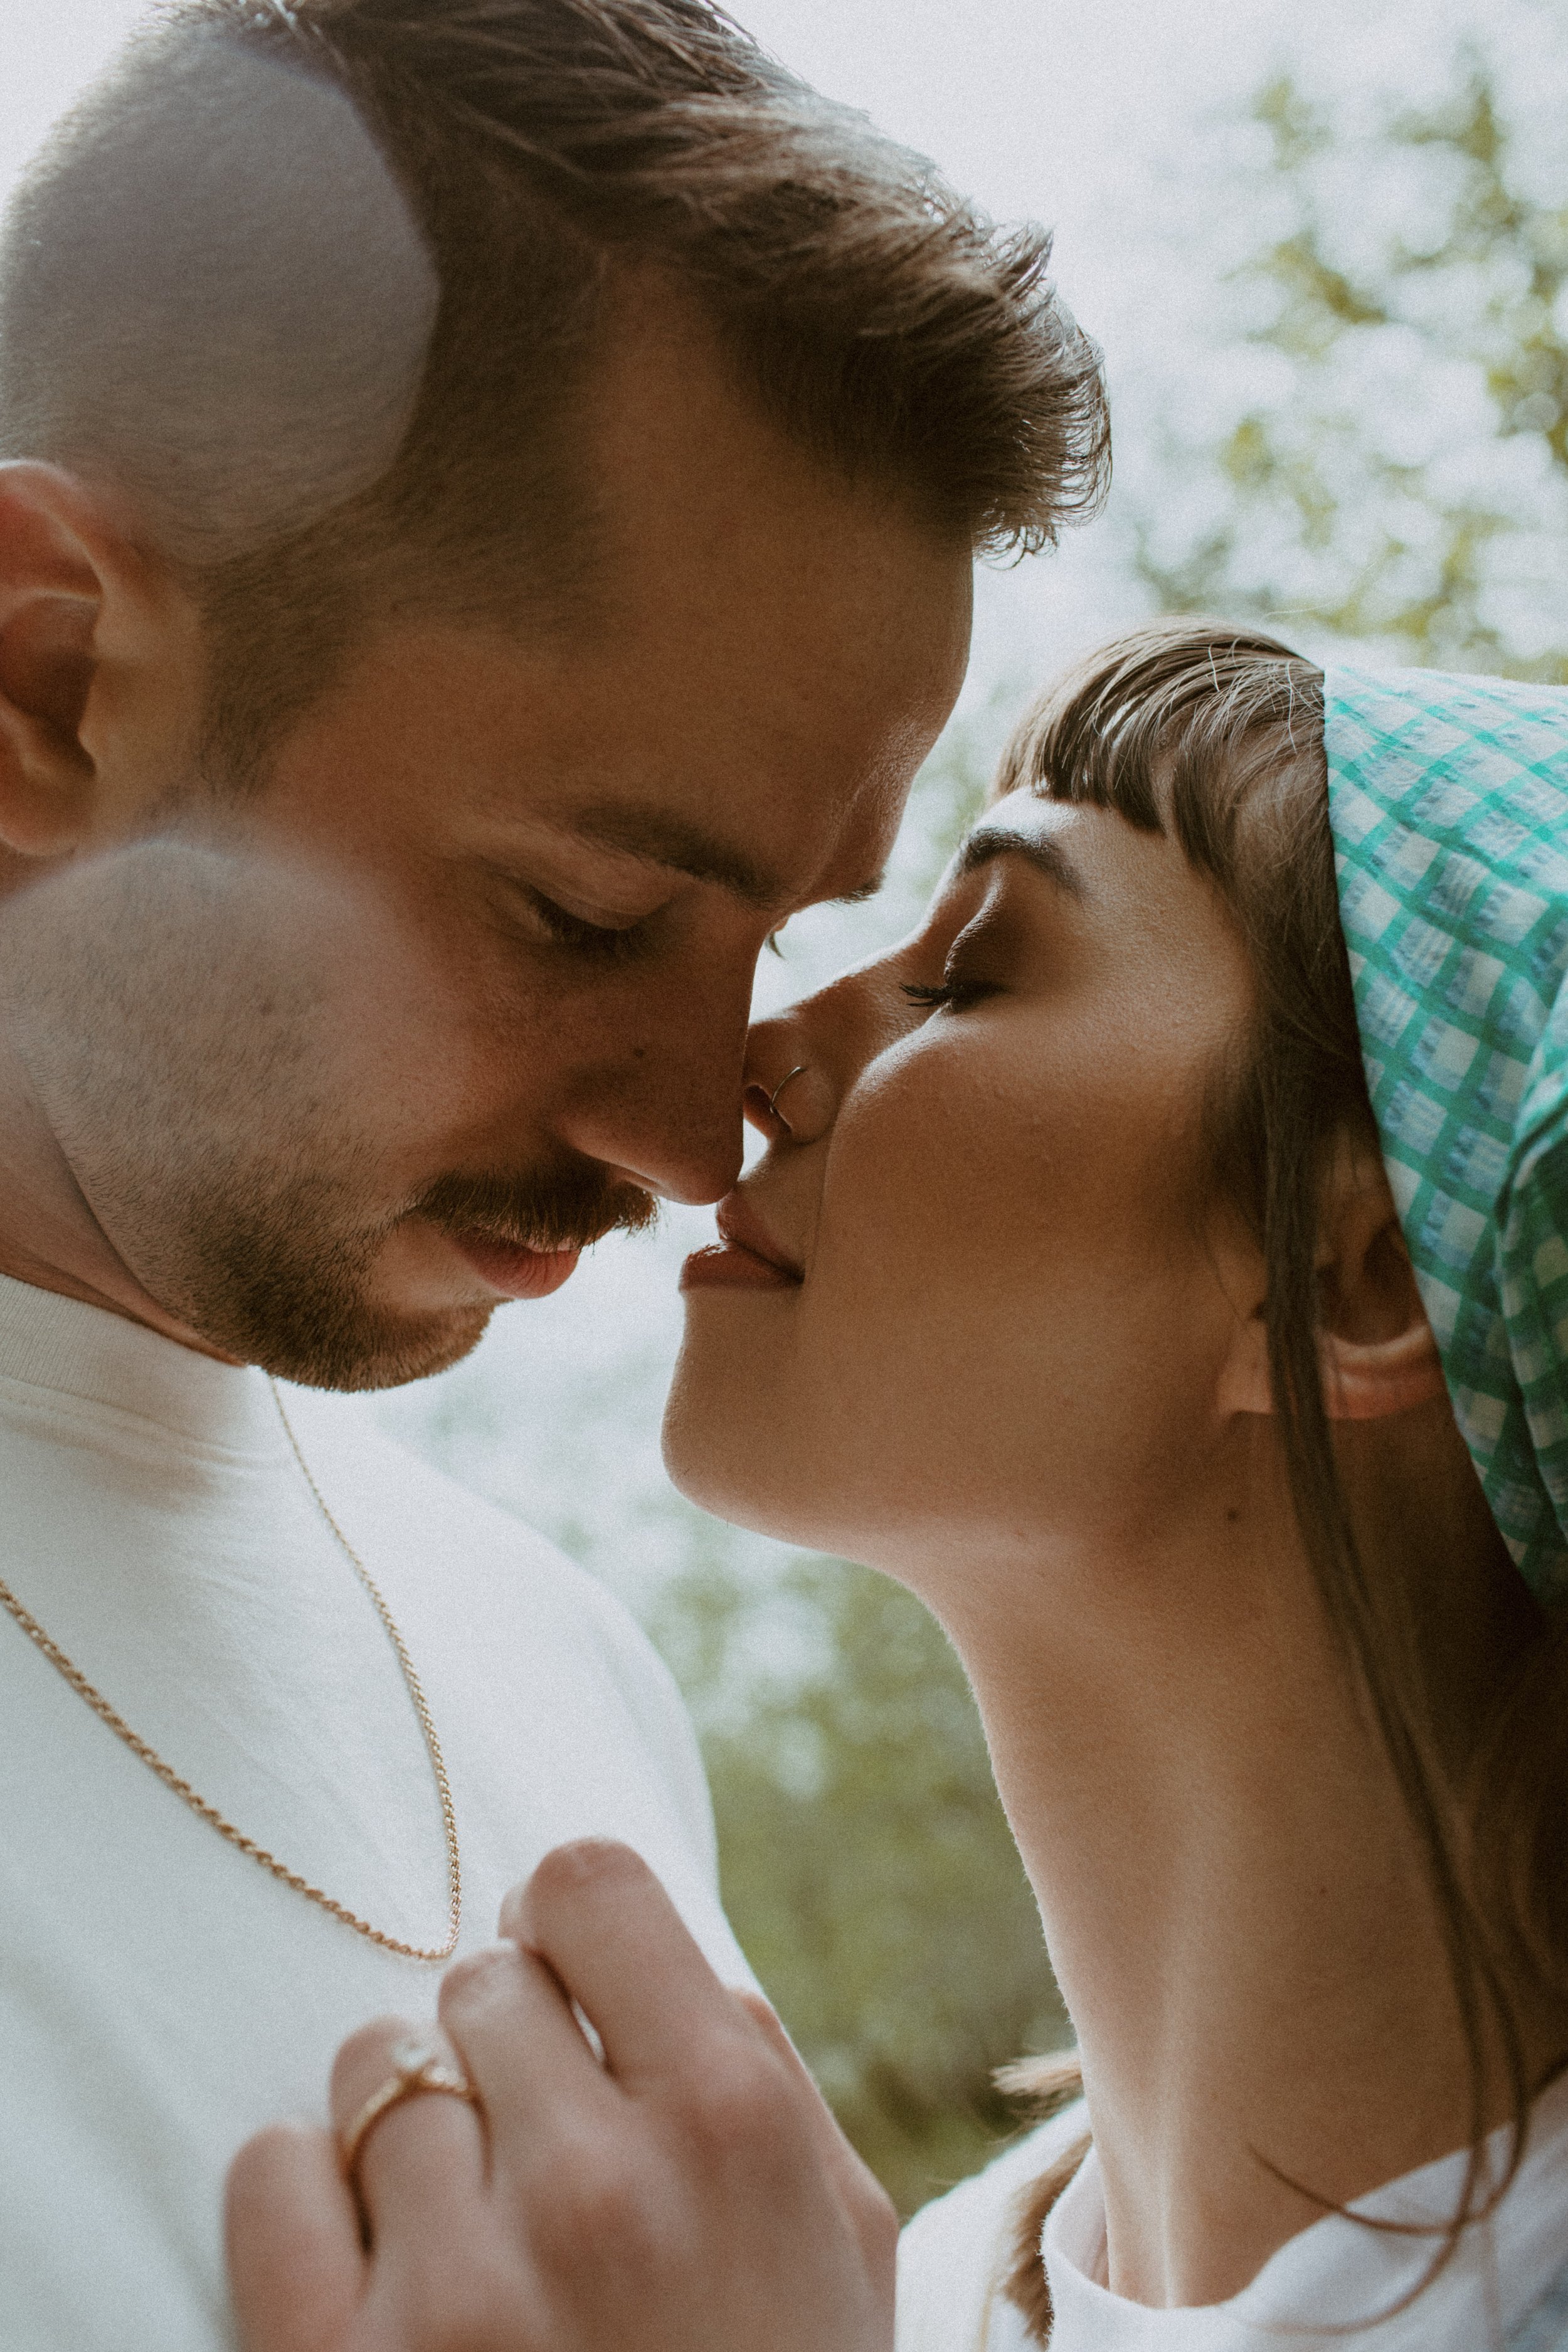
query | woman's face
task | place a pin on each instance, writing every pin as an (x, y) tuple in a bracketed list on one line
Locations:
[(974, 1298)]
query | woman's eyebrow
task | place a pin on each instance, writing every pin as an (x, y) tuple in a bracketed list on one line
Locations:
[(1047, 855)]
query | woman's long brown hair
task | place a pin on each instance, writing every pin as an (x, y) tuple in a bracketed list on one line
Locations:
[(1215, 735)]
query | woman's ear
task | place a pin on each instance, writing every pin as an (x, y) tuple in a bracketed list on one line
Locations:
[(1377, 1348)]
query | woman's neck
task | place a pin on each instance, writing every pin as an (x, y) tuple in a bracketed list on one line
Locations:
[(1233, 1893)]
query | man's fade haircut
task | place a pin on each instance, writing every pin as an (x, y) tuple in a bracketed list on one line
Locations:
[(315, 285)]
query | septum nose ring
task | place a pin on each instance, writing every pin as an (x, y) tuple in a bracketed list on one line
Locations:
[(773, 1110)]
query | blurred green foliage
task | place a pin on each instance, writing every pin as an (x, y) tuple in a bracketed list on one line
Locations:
[(1405, 477), (867, 1867)]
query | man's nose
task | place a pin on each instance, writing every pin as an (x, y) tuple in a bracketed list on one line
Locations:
[(667, 1113)]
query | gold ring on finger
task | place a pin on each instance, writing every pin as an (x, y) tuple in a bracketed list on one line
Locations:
[(416, 2070)]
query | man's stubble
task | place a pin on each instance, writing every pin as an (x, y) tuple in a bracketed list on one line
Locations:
[(183, 1022)]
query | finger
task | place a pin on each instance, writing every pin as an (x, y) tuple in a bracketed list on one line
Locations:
[(856, 2185), (420, 2168), (594, 1913), (295, 2261), (766, 2017), (524, 2047)]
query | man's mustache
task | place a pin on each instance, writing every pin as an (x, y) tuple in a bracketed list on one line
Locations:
[(545, 1210)]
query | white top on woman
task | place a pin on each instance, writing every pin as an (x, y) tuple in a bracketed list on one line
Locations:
[(1338, 2275)]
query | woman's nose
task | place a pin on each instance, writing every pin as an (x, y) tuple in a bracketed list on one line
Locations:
[(785, 1098), (762, 1107)]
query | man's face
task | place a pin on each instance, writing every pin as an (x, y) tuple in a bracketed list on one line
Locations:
[(338, 1064)]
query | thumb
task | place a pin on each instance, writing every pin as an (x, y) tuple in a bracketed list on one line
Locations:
[(295, 2259)]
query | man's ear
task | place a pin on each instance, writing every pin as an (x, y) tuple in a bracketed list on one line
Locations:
[(78, 603), (1376, 1348)]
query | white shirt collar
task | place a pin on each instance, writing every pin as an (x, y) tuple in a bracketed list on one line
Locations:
[(1337, 2273), (69, 1349)]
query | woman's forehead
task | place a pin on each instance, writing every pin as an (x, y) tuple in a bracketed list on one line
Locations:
[(1028, 811), (1035, 819)]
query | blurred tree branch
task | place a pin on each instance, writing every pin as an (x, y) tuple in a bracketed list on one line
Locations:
[(1377, 495)]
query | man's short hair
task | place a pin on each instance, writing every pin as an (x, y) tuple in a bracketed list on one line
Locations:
[(315, 286)]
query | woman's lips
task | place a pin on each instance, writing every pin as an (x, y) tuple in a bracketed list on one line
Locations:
[(743, 1258), (515, 1272), (723, 1266)]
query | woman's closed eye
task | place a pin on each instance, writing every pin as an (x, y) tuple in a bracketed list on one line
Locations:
[(977, 964), (954, 993)]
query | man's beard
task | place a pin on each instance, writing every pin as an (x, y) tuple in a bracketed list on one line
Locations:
[(288, 1284)]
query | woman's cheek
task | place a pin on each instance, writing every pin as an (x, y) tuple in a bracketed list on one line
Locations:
[(971, 1147), (938, 1242)]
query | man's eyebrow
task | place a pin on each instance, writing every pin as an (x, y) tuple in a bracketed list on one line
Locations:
[(1047, 855), (666, 840)]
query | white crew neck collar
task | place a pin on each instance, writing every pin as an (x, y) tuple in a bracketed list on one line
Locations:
[(1337, 2274), (99, 1358)]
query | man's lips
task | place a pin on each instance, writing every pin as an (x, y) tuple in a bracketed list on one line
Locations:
[(516, 1272), (745, 1257)]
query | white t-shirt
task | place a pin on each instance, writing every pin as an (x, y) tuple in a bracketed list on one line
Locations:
[(1335, 2274), (160, 1995)]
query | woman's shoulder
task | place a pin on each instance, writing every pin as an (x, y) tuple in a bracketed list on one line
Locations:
[(953, 2254)]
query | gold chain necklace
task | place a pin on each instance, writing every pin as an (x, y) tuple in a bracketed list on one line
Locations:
[(198, 1804)]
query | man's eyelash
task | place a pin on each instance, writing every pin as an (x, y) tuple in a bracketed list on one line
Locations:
[(570, 931)]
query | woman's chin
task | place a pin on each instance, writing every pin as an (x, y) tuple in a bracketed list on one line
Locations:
[(717, 1460), (710, 1466), (705, 1475)]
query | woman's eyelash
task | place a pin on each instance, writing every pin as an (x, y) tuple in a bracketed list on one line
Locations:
[(932, 994)]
